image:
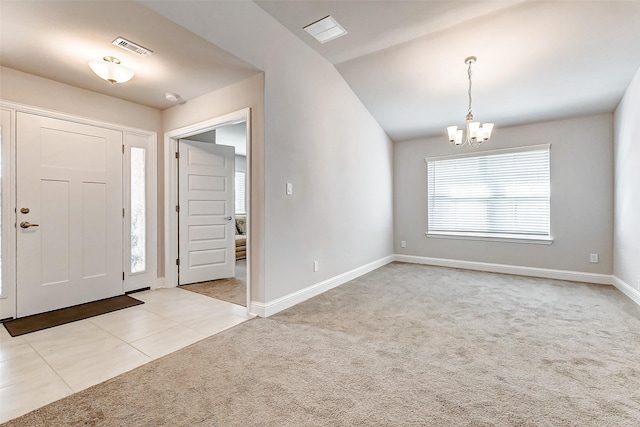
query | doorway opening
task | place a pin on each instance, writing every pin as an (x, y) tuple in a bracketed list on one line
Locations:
[(208, 178)]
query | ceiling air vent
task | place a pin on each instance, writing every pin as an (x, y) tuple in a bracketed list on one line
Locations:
[(325, 29), (132, 47)]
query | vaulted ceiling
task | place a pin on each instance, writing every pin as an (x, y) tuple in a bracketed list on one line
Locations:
[(537, 60)]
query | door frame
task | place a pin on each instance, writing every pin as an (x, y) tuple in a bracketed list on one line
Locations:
[(171, 190), (8, 305), (9, 232)]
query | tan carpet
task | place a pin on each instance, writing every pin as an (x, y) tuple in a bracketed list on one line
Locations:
[(231, 290), (405, 345)]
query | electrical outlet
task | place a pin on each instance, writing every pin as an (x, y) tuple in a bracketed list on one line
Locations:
[(403, 244), (593, 258), (316, 266)]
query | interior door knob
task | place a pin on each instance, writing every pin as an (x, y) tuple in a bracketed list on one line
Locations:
[(228, 218), (27, 224)]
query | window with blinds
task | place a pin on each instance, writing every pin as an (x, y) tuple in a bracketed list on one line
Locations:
[(241, 203), (498, 194)]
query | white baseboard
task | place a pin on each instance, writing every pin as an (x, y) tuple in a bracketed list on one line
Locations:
[(282, 303), (160, 283), (627, 289), (574, 276)]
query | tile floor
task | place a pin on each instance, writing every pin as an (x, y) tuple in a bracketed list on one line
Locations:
[(44, 366)]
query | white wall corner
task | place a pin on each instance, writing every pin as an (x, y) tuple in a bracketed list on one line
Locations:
[(161, 282), (258, 308), (282, 303), (627, 289), (574, 276)]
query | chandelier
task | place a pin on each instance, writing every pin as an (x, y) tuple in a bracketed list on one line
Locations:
[(476, 133)]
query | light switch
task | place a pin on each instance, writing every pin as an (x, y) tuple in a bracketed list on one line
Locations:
[(289, 188)]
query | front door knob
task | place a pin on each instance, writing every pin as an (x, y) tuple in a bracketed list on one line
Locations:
[(27, 224)]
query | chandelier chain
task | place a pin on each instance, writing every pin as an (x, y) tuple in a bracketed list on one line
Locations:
[(469, 73)]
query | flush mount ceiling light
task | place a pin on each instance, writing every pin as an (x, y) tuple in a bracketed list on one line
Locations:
[(476, 133), (110, 70), (325, 29), (172, 97)]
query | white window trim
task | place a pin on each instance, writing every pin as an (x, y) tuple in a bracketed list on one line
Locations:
[(490, 152), (515, 238), (534, 240)]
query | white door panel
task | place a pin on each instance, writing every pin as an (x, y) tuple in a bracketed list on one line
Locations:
[(206, 225), (69, 177)]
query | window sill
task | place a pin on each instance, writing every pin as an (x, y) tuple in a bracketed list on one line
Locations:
[(514, 239)]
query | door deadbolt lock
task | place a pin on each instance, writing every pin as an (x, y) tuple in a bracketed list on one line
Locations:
[(25, 210)]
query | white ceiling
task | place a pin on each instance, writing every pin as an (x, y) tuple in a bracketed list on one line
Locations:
[(537, 60), (57, 39)]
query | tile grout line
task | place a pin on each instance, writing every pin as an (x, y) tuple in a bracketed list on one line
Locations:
[(55, 371), (200, 334)]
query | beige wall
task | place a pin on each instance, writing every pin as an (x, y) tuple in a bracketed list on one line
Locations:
[(319, 137), (581, 197), (626, 264), (28, 89), (246, 94)]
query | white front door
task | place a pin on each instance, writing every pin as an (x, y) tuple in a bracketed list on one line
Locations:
[(206, 219), (69, 214)]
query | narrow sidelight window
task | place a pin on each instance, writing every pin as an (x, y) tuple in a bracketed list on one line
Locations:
[(138, 211)]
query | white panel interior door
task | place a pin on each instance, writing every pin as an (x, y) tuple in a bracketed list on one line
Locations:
[(206, 223), (69, 183)]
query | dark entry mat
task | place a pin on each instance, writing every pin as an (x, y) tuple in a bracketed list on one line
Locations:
[(41, 321)]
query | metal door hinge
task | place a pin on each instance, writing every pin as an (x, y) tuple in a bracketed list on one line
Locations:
[(123, 275), (177, 155), (122, 148), (177, 208), (177, 261), (122, 212)]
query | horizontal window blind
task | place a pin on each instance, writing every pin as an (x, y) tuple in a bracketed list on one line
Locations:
[(492, 195), (241, 204)]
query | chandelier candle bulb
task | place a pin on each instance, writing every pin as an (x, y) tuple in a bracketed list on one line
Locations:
[(472, 130), (452, 131), (487, 128), (459, 135)]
